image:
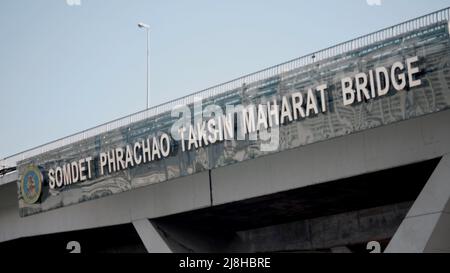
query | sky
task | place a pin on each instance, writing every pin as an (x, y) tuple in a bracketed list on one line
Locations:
[(69, 65)]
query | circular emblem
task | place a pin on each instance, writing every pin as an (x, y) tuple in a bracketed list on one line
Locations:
[(31, 184)]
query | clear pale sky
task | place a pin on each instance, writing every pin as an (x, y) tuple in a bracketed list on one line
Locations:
[(65, 68)]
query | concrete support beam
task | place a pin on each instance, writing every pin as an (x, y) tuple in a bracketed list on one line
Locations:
[(150, 237), (160, 237), (425, 228)]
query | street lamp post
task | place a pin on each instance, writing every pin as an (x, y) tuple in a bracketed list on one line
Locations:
[(147, 29)]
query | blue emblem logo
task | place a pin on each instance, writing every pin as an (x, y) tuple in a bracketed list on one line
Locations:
[(31, 185)]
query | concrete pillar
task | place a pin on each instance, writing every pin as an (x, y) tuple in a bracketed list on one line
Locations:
[(426, 227), (150, 237)]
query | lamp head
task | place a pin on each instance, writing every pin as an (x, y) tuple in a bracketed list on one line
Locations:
[(142, 25)]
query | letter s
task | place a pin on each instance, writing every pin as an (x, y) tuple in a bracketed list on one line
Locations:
[(51, 177)]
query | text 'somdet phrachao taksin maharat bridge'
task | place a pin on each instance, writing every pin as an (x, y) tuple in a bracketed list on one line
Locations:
[(303, 156)]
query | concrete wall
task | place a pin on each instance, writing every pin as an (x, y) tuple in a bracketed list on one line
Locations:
[(376, 149)]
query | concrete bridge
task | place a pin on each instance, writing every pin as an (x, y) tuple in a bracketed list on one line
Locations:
[(388, 183)]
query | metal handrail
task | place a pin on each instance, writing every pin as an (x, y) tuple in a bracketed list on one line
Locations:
[(354, 44)]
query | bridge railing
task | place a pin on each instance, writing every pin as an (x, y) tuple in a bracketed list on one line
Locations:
[(354, 44)]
